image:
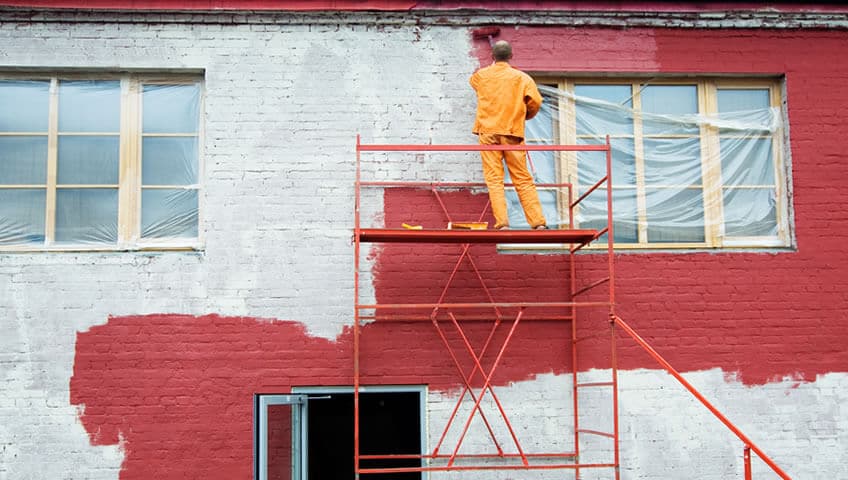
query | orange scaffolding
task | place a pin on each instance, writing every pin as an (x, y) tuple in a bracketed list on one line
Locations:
[(440, 312)]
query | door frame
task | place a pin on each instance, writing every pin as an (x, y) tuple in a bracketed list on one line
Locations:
[(299, 406)]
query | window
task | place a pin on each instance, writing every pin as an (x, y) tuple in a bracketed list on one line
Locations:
[(696, 163), (105, 162)]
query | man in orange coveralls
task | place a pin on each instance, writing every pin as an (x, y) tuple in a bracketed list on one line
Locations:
[(506, 97)]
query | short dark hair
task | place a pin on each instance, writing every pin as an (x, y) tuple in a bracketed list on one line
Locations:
[(501, 51)]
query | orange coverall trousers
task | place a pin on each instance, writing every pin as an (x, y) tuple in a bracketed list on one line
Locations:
[(493, 173)]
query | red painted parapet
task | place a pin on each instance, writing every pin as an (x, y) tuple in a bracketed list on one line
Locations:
[(402, 5)]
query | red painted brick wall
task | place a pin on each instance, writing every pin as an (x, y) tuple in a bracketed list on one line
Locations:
[(764, 315), (179, 389)]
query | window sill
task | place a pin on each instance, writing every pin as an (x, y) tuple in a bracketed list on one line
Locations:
[(735, 246), (171, 247)]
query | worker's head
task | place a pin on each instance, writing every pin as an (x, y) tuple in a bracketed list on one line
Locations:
[(501, 51)]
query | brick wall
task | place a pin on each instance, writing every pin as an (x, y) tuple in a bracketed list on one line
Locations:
[(121, 364)]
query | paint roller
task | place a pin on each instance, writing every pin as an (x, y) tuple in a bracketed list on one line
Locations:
[(484, 33)]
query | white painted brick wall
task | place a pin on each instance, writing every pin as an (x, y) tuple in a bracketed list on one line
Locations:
[(665, 432), (539, 412), (283, 106)]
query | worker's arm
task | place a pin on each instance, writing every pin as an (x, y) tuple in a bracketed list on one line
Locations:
[(474, 81), (532, 98)]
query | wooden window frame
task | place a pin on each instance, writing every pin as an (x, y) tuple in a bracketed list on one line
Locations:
[(129, 184), (712, 186)]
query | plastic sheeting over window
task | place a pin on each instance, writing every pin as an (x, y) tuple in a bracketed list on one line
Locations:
[(683, 173), (73, 194), (86, 210), (169, 165), (23, 160)]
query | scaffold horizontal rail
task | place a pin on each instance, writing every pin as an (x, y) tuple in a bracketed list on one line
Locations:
[(377, 306), (595, 432), (391, 235), (485, 467), (449, 185), (408, 456), (481, 148), (428, 317), (595, 384)]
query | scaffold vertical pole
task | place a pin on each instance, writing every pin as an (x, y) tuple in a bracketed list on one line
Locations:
[(356, 247), (611, 267), (746, 455), (573, 279)]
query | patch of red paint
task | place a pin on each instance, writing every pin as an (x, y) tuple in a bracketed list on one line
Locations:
[(763, 316), (177, 389)]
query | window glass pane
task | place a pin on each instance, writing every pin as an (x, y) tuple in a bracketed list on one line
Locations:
[(88, 160), (23, 160), (279, 443), (168, 213), (87, 215), (672, 161), (540, 129), (735, 99), (169, 161), (669, 125), (611, 116), (22, 216), (592, 166), (747, 161), (24, 106), (670, 99), (548, 197), (675, 214), (592, 213), (171, 108), (750, 212), (617, 94), (672, 108), (89, 106), (542, 166)]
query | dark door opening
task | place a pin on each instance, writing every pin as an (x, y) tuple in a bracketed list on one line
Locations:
[(390, 423)]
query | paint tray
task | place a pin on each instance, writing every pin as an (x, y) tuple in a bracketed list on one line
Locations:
[(468, 225)]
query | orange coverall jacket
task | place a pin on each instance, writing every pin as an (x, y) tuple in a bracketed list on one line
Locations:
[(508, 98)]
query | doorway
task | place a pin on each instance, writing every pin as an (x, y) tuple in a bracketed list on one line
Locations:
[(390, 424), (308, 435)]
